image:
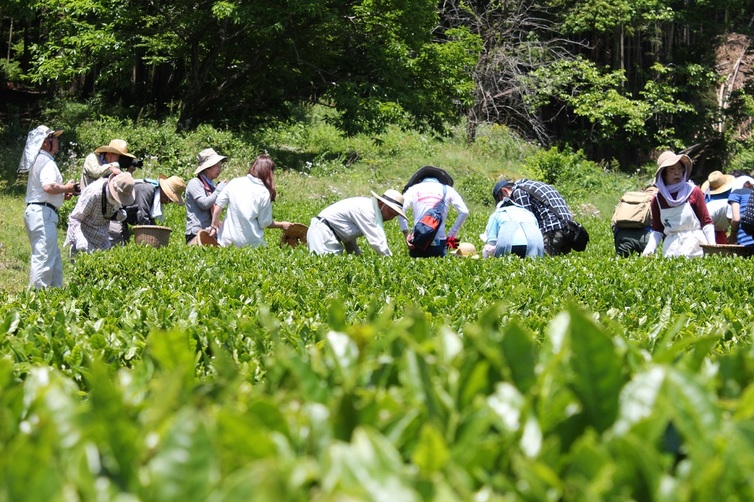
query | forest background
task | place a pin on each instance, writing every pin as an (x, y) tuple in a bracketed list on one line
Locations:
[(616, 79)]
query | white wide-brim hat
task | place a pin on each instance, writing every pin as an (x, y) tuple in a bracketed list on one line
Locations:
[(393, 199)]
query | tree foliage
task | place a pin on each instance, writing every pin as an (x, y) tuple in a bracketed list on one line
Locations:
[(616, 78), (374, 62)]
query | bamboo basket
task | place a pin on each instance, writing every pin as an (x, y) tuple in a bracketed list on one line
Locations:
[(728, 249), (295, 235), (203, 239), (152, 235)]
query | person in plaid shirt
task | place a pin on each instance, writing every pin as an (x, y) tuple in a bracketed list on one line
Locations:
[(98, 204), (551, 215)]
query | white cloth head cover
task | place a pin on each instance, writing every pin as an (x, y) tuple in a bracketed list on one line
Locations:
[(34, 141)]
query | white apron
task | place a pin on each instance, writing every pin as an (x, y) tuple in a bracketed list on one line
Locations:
[(683, 233)]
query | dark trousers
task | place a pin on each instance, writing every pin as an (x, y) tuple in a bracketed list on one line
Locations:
[(430, 252), (556, 243), (630, 240)]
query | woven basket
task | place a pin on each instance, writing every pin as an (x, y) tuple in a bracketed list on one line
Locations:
[(728, 249), (203, 239), (152, 235), (295, 235)]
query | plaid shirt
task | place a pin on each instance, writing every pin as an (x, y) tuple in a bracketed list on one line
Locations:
[(547, 216), (87, 226)]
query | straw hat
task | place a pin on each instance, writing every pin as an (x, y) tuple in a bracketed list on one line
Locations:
[(118, 146), (465, 249), (717, 183), (668, 158), (295, 235), (207, 158), (173, 188), (393, 199), (121, 188)]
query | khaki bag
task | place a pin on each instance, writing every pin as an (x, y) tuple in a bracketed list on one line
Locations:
[(634, 209)]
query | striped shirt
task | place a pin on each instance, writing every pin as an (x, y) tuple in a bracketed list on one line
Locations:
[(742, 197)]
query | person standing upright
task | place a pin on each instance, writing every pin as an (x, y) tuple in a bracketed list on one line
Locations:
[(45, 193)]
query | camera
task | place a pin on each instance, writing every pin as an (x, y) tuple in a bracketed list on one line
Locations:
[(119, 215), (77, 188), (127, 162)]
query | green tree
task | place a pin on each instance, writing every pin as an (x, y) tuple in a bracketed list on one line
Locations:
[(374, 62)]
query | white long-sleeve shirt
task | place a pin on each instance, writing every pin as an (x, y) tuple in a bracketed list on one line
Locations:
[(421, 197), (249, 212), (351, 218)]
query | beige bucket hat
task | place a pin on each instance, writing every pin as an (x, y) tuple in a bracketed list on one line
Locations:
[(173, 188), (118, 146), (207, 158), (668, 158), (121, 188), (394, 200)]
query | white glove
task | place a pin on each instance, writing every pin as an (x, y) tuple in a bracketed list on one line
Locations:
[(709, 233), (654, 240)]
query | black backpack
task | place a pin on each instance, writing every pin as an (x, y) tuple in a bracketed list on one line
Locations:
[(426, 228)]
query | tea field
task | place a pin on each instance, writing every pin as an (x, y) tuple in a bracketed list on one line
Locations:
[(189, 373)]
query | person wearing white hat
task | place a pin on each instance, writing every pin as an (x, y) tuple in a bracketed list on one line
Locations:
[(201, 192), (104, 161), (680, 219), (426, 187), (45, 193), (337, 227), (716, 190), (100, 203)]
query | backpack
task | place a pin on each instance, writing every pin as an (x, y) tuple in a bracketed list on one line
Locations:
[(747, 216), (426, 228), (634, 209)]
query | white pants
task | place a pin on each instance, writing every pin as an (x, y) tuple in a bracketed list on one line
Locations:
[(321, 239), (46, 265)]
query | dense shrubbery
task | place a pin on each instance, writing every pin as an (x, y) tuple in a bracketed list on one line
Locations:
[(272, 371)]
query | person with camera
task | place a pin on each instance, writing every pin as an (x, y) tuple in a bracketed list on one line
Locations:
[(45, 193), (101, 202), (106, 160)]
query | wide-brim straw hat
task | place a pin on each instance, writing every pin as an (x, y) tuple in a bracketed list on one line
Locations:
[(668, 158), (294, 235), (465, 250), (429, 172), (207, 158), (393, 199), (173, 188), (717, 183), (121, 188), (118, 146)]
